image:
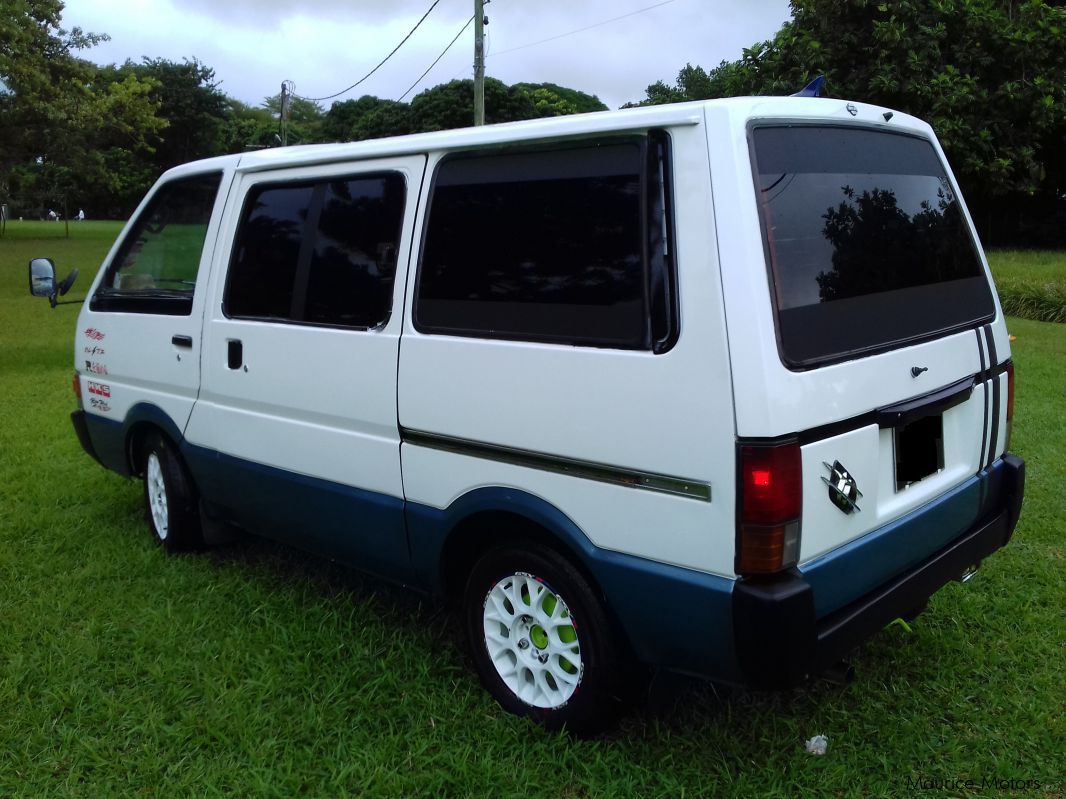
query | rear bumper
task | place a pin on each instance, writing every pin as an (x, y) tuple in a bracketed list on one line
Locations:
[(781, 637)]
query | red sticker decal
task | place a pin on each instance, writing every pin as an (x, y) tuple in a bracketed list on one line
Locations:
[(101, 389), (94, 334)]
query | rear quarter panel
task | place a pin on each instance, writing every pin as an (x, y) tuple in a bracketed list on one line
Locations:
[(668, 414)]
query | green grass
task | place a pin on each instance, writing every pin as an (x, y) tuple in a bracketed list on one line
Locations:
[(257, 671), (1031, 283)]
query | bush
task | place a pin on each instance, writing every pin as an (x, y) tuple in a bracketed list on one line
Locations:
[(1044, 302), (1031, 283)]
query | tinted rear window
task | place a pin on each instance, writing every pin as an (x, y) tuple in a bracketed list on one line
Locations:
[(866, 242)]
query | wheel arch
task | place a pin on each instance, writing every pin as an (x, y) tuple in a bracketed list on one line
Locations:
[(142, 420), (488, 516)]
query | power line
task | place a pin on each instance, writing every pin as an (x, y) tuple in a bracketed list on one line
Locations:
[(586, 28), (386, 58), (446, 49)]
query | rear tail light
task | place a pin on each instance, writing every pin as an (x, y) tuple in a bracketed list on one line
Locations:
[(1010, 403), (76, 385), (769, 506)]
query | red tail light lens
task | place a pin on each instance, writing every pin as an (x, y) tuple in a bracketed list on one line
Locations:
[(76, 385), (1010, 403), (769, 506)]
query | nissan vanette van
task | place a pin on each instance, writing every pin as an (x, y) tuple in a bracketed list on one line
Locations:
[(721, 388)]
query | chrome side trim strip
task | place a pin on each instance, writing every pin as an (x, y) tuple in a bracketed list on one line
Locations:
[(586, 470)]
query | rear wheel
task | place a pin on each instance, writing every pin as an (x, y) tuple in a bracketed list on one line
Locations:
[(169, 497), (541, 641)]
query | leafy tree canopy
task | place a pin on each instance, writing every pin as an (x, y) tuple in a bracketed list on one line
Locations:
[(188, 100), (551, 100), (988, 75), (61, 126), (451, 105)]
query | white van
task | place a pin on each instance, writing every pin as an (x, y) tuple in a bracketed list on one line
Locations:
[(720, 387)]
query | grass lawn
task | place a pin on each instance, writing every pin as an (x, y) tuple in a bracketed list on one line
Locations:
[(1031, 283), (255, 670)]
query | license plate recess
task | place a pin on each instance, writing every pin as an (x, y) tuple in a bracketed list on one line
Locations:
[(919, 449)]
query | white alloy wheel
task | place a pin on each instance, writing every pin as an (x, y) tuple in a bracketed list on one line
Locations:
[(532, 641), (156, 488)]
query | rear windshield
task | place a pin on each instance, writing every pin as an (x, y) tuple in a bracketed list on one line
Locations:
[(866, 242)]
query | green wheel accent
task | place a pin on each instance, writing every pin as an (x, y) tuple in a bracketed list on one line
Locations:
[(538, 637)]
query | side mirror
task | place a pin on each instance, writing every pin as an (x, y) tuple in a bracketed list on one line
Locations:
[(42, 277), (43, 281)]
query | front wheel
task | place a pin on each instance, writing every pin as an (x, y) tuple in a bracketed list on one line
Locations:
[(541, 641), (169, 497)]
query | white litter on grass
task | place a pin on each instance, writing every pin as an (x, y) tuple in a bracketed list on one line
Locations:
[(817, 745)]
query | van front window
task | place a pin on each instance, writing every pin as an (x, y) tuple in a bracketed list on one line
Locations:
[(867, 244)]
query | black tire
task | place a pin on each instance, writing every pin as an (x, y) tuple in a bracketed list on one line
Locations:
[(591, 692), (170, 499)]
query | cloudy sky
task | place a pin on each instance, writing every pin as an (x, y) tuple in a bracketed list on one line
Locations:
[(610, 48)]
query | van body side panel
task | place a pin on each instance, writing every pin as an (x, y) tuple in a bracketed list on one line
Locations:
[(307, 408), (669, 527), (671, 616), (666, 414)]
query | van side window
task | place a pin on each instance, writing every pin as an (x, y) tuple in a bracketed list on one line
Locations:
[(155, 270), (553, 246), (318, 252)]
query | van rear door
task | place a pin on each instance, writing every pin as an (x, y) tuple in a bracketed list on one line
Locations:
[(881, 339)]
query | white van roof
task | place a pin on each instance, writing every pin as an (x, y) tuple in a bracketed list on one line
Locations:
[(577, 125)]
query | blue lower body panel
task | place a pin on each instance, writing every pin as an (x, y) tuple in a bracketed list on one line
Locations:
[(103, 439), (364, 529), (767, 632)]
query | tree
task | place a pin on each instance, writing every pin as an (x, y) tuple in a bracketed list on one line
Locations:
[(62, 129), (551, 100), (988, 75), (247, 127), (387, 118), (451, 105), (189, 100), (366, 118)]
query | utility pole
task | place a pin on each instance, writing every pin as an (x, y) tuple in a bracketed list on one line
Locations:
[(479, 62), (283, 116)]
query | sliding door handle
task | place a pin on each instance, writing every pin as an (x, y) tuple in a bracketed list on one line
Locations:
[(234, 353), (181, 341)]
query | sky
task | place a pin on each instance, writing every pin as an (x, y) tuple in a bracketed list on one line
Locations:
[(610, 48)]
